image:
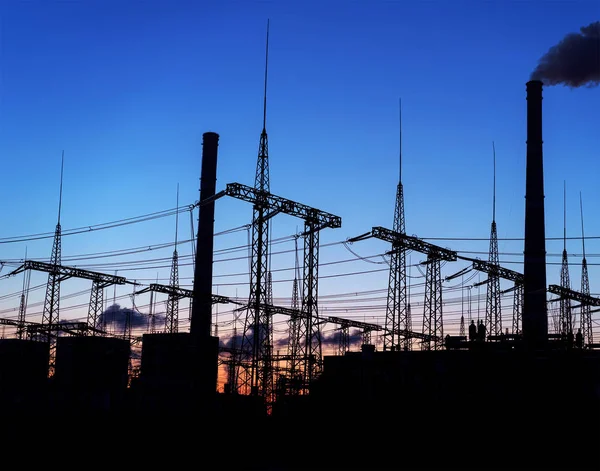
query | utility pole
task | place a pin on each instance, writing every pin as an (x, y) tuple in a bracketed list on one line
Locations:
[(397, 315)]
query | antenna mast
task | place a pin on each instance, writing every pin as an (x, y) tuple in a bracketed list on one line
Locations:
[(494, 198)]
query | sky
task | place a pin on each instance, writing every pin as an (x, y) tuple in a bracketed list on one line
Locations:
[(126, 89)]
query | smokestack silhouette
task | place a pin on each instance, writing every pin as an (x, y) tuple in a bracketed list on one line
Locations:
[(202, 298), (535, 311), (574, 61)]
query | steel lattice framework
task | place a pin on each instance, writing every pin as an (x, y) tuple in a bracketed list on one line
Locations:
[(347, 323), (294, 328), (585, 319), (432, 312), (433, 322), (309, 346), (518, 308), (97, 302), (61, 273), (495, 270), (397, 315), (565, 318), (256, 350), (582, 298), (35, 329), (50, 314), (172, 311), (585, 309), (179, 293), (493, 309), (23, 305), (344, 341), (257, 338)]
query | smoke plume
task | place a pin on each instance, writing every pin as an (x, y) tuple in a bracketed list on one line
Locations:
[(118, 317), (574, 61)]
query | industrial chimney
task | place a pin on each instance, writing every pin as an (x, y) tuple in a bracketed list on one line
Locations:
[(535, 312), (202, 300)]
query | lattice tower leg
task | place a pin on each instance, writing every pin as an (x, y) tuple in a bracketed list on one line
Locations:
[(565, 313), (50, 314), (586, 310), (518, 308), (96, 305), (172, 314), (256, 375), (393, 302), (493, 310), (310, 332), (432, 309)]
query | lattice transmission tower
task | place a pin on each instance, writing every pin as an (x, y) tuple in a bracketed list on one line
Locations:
[(493, 308), (294, 324), (50, 314), (257, 341), (172, 313), (397, 316), (586, 311), (565, 317)]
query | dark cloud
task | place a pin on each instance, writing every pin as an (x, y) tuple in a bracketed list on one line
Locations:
[(117, 317), (574, 61), (333, 340)]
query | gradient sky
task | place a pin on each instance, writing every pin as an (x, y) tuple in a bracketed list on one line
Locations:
[(126, 90)]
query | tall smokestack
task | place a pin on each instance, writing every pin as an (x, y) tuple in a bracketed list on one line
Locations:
[(202, 300), (535, 313)]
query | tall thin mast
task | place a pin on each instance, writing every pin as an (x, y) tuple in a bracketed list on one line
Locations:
[(400, 140), (494, 197)]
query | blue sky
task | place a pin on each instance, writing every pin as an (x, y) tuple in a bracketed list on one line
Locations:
[(127, 89)]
